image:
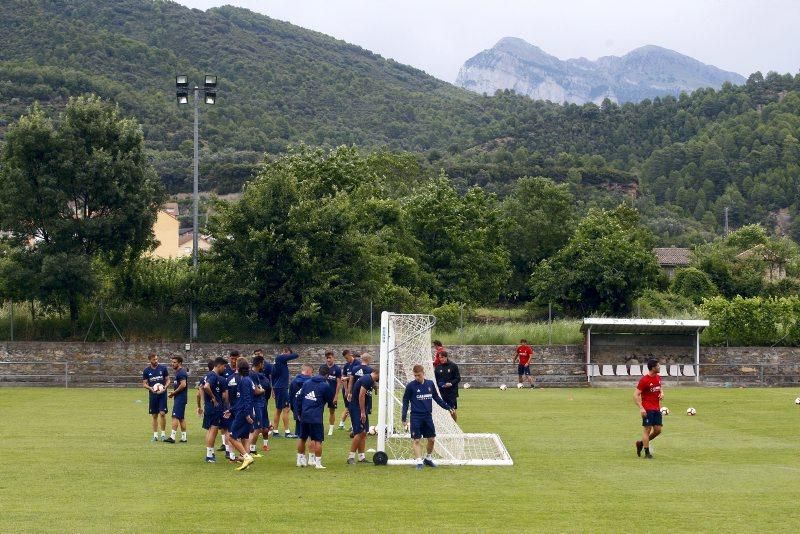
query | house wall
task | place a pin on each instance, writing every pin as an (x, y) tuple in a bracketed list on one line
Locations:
[(166, 233)]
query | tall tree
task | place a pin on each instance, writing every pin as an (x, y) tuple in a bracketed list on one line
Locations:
[(74, 190), (603, 267)]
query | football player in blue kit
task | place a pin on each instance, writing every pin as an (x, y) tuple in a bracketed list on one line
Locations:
[(315, 394), (154, 374), (180, 397), (242, 413), (419, 396), (334, 377)]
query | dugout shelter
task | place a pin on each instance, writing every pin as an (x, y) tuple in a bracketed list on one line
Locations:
[(612, 344)]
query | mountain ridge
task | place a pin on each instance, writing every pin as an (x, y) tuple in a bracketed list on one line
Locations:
[(644, 72)]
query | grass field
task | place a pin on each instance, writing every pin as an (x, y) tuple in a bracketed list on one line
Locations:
[(80, 460)]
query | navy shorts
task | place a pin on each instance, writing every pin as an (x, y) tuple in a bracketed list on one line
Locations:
[(224, 423), (452, 401), (312, 431), (523, 370), (179, 410), (281, 398), (258, 418), (422, 426), (240, 428), (653, 418), (333, 404), (211, 417), (158, 403), (355, 419)]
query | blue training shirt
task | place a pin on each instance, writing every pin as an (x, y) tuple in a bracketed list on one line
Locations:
[(367, 383), (420, 397), (314, 395), (157, 375), (280, 370), (294, 394), (181, 374), (258, 379), (217, 385), (244, 395), (334, 373)]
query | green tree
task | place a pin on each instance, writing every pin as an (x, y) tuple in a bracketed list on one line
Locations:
[(460, 246), (693, 284), (74, 190), (540, 218), (602, 268)]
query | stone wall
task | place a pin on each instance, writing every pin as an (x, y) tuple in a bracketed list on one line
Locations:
[(121, 364)]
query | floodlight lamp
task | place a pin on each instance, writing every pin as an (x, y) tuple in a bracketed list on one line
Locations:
[(211, 97), (211, 81), (182, 96), (181, 80)]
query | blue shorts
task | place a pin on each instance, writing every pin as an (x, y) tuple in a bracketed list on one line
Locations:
[(258, 418), (211, 417), (523, 370), (312, 431), (355, 419), (281, 398), (452, 401), (422, 426), (653, 418), (158, 403), (224, 423), (333, 404), (179, 410), (240, 428)]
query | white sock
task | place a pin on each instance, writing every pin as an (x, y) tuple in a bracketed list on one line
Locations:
[(330, 428), (429, 456), (247, 456), (209, 451), (361, 456), (252, 448), (155, 434), (311, 459), (319, 460), (419, 461), (224, 441), (341, 424), (286, 431), (183, 436), (172, 434), (163, 434), (351, 455)]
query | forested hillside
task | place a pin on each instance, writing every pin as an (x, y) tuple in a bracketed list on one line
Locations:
[(681, 159)]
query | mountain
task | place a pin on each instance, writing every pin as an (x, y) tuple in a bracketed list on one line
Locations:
[(645, 72)]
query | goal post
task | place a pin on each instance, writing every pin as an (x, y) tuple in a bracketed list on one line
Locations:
[(405, 341)]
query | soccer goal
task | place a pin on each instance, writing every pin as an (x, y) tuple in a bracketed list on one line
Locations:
[(406, 342)]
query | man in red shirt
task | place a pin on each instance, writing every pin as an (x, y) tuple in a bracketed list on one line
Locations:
[(523, 355), (648, 397), (438, 349)]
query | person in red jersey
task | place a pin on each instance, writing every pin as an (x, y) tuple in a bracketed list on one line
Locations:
[(648, 397), (523, 356), (438, 349)]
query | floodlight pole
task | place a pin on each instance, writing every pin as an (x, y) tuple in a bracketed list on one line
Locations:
[(195, 201)]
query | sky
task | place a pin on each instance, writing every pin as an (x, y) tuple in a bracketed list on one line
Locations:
[(438, 36)]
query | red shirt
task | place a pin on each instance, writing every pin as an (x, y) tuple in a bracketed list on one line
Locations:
[(650, 386), (436, 359), (524, 353)]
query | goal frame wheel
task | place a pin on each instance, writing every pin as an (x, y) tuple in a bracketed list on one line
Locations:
[(380, 458)]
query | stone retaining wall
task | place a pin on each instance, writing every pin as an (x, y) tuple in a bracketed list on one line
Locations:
[(121, 364)]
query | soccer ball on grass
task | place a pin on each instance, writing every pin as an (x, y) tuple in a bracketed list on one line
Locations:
[(467, 385), (797, 400), (503, 387), (664, 410), (158, 388), (691, 411), (519, 385)]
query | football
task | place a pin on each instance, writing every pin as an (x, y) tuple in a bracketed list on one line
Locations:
[(467, 385), (371, 431), (519, 385), (503, 387), (158, 388), (664, 410), (691, 411), (797, 400)]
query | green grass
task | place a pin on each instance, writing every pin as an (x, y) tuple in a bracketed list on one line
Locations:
[(563, 333), (80, 460)]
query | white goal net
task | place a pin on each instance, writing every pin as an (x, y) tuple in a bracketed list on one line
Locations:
[(406, 342)]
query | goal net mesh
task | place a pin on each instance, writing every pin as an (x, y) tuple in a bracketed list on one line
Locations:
[(406, 342)]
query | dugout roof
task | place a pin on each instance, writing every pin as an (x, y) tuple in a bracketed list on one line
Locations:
[(644, 326)]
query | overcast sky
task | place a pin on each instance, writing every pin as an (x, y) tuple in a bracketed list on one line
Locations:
[(437, 36)]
